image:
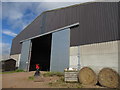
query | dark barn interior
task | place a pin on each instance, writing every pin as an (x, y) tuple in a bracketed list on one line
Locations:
[(40, 54)]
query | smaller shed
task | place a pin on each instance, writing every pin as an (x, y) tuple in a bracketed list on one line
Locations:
[(8, 65)]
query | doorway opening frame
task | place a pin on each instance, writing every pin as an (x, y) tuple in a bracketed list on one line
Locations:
[(56, 30)]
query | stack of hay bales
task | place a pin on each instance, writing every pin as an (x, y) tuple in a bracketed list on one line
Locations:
[(71, 75), (106, 77)]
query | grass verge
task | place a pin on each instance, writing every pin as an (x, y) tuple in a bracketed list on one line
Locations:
[(61, 84), (47, 74), (17, 70)]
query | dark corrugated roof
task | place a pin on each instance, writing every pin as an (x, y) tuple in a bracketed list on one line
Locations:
[(98, 23), (55, 10)]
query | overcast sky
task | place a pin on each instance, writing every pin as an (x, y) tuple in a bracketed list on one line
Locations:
[(17, 15)]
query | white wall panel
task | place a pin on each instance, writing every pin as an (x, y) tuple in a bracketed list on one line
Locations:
[(17, 58), (98, 55)]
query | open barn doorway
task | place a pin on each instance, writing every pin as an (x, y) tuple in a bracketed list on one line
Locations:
[(41, 52)]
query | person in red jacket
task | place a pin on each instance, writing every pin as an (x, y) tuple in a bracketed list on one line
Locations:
[(37, 66), (37, 73)]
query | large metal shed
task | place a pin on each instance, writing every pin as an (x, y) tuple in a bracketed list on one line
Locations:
[(80, 35)]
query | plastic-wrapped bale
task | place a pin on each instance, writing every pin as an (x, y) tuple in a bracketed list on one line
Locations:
[(108, 77), (87, 76)]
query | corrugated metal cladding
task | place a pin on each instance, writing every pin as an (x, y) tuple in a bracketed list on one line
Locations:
[(98, 23)]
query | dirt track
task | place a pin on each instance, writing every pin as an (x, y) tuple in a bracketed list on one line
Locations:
[(20, 80)]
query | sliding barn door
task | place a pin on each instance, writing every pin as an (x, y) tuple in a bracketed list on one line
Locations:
[(60, 50), (25, 55)]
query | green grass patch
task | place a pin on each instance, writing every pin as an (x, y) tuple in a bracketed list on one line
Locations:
[(60, 83), (61, 80), (50, 83), (17, 70), (31, 77), (47, 74), (7, 72), (71, 71)]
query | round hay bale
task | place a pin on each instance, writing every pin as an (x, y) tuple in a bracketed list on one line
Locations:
[(108, 77), (87, 76)]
